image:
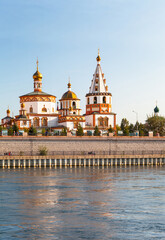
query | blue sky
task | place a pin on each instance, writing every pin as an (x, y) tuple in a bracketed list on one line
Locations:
[(65, 36)]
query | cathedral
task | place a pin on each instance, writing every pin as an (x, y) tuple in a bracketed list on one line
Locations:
[(38, 108)]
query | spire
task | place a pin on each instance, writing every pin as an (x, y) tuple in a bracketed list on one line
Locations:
[(37, 64), (98, 84), (98, 57), (69, 85)]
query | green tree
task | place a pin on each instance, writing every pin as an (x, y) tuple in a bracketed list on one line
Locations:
[(155, 124), (10, 131), (43, 132), (131, 128), (15, 129), (0, 130), (96, 131), (111, 129), (32, 131), (64, 132), (125, 126), (79, 131)]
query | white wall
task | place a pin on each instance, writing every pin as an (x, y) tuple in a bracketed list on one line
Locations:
[(37, 107)]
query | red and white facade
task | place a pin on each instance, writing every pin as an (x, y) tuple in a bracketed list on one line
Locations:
[(99, 102)]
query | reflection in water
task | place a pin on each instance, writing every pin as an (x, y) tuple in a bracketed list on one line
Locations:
[(82, 203)]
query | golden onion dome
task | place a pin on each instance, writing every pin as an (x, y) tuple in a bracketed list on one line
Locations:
[(69, 95), (37, 75), (8, 111)]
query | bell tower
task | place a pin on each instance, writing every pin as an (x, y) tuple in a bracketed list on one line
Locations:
[(99, 100)]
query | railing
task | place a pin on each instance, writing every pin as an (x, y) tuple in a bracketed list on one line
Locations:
[(84, 153)]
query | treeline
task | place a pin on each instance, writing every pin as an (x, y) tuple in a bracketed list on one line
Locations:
[(155, 124)]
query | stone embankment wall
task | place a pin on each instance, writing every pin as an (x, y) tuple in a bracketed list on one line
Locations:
[(86, 144)]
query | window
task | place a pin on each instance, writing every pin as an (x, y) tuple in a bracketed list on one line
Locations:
[(100, 121), (104, 99), (96, 89), (44, 122), (95, 100), (106, 121), (88, 101), (31, 109), (61, 105), (74, 105), (36, 122)]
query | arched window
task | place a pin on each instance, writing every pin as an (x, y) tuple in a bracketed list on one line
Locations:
[(88, 100), (104, 99), (95, 100), (44, 122), (74, 105), (31, 109), (36, 122), (60, 105), (96, 88), (106, 122), (100, 122)]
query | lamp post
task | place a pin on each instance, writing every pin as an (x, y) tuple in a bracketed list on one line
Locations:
[(136, 117)]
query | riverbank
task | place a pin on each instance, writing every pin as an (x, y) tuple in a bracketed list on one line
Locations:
[(29, 146)]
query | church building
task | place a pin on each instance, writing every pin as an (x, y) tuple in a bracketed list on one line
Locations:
[(39, 106)]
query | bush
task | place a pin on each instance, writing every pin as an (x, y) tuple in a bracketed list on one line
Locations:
[(79, 131), (64, 132), (43, 151), (96, 131), (32, 131)]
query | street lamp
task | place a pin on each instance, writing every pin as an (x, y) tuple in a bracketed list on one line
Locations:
[(136, 117)]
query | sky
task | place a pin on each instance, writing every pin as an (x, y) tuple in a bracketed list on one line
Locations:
[(65, 36)]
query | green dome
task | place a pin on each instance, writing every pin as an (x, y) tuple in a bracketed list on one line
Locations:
[(156, 109)]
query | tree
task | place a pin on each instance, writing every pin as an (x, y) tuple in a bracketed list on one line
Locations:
[(0, 130), (96, 131), (125, 126), (79, 131), (32, 131), (43, 132), (155, 124), (131, 128), (15, 128), (10, 131), (111, 129), (64, 132)]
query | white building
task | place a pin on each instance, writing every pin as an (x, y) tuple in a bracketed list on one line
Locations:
[(39, 106)]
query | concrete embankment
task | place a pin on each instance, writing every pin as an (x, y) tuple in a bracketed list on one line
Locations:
[(31, 145), (81, 151)]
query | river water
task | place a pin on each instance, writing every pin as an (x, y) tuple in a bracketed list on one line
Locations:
[(83, 203)]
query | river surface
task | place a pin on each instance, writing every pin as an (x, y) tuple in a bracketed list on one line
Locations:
[(83, 203)]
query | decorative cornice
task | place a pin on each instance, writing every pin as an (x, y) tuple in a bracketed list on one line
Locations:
[(98, 94)]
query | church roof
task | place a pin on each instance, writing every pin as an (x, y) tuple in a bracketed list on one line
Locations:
[(69, 95), (98, 84), (37, 93)]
